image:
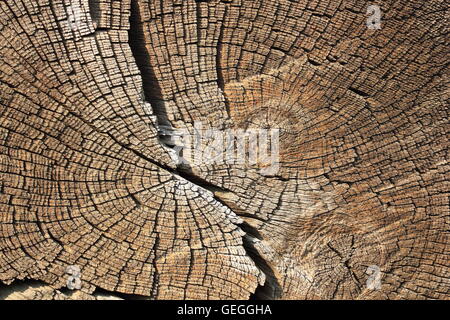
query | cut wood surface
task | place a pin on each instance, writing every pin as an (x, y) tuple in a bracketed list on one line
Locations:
[(93, 93)]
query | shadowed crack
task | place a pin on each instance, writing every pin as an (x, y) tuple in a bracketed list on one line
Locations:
[(152, 92), (153, 95), (271, 289)]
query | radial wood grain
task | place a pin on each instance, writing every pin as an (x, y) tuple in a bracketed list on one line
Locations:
[(363, 165)]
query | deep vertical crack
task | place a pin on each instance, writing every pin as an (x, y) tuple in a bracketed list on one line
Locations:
[(271, 288), (94, 10), (220, 77), (152, 91)]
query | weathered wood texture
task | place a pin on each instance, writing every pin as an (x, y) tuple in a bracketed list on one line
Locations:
[(363, 179)]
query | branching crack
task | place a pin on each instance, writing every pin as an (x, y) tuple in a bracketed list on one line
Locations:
[(152, 94)]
